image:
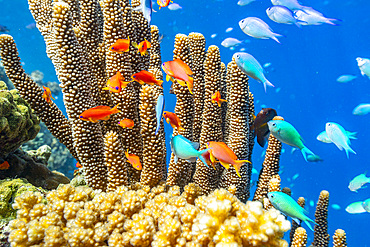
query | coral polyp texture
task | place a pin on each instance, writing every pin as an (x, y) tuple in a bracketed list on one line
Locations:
[(140, 216)]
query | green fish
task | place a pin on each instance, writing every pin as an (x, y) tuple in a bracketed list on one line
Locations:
[(358, 182), (286, 205), (185, 149), (285, 132)]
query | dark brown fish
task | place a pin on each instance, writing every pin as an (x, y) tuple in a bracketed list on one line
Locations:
[(260, 126)]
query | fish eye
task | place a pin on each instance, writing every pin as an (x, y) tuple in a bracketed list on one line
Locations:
[(116, 88), (81, 117), (272, 196), (134, 76), (242, 21), (274, 124), (112, 48), (238, 56)]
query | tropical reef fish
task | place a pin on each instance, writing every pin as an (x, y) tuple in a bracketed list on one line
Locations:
[(173, 120), (116, 83), (225, 155), (101, 112), (142, 47), (163, 3), (185, 149), (288, 206), (260, 127), (257, 28), (216, 98), (245, 2), (145, 7), (346, 78), (361, 109), (179, 71), (159, 108), (366, 205), (230, 42), (323, 136), (47, 94), (121, 45), (4, 29), (285, 132), (364, 65), (134, 160), (126, 123), (355, 208), (313, 158), (174, 6), (358, 182), (290, 4), (146, 77), (282, 14), (4, 165), (250, 66), (309, 16), (32, 25), (339, 137), (78, 165)]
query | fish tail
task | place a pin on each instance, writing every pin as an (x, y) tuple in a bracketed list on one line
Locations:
[(308, 224), (330, 21), (349, 149), (306, 151), (267, 83), (352, 135), (238, 164), (276, 35), (201, 157), (115, 109)]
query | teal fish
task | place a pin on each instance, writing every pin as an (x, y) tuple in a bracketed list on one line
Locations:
[(159, 108), (289, 207), (187, 150), (338, 135), (285, 132), (355, 208), (358, 182), (366, 205), (250, 66)]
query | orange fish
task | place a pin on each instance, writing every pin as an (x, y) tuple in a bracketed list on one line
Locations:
[(4, 165), (121, 45), (142, 47), (146, 77), (134, 160), (126, 123), (179, 71), (225, 155), (47, 94), (216, 98), (163, 3), (101, 112), (116, 83), (78, 165), (173, 119)]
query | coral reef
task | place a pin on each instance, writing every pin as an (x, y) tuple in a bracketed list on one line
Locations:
[(140, 216), (18, 123)]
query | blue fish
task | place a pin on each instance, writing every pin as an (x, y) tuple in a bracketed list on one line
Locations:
[(185, 149), (282, 14), (285, 204), (159, 111), (145, 7)]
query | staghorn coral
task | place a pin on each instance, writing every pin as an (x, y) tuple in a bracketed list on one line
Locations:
[(321, 236), (339, 238), (139, 216)]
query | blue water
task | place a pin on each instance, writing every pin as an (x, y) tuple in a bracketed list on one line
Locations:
[(304, 67)]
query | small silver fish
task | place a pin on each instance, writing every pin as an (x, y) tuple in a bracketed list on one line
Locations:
[(338, 136), (257, 28), (355, 208), (290, 4), (346, 78), (323, 136), (361, 109), (174, 6), (358, 182), (250, 66), (145, 7), (245, 2), (310, 16), (230, 42), (159, 108), (364, 65), (282, 14)]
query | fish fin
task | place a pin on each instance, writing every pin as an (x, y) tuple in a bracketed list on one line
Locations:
[(193, 159), (351, 135), (306, 151), (298, 23), (308, 224), (238, 164), (115, 109), (168, 120), (349, 149), (267, 83), (195, 145), (330, 21), (274, 37), (261, 140), (134, 44), (175, 158), (298, 221), (168, 77), (201, 157), (182, 83), (224, 164)]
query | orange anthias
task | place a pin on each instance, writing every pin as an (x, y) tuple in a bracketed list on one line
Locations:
[(134, 160), (4, 165), (145, 77), (121, 45), (47, 94), (142, 47), (78, 165), (163, 3), (116, 83), (179, 71), (97, 113), (225, 155), (216, 98), (126, 123), (173, 119)]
